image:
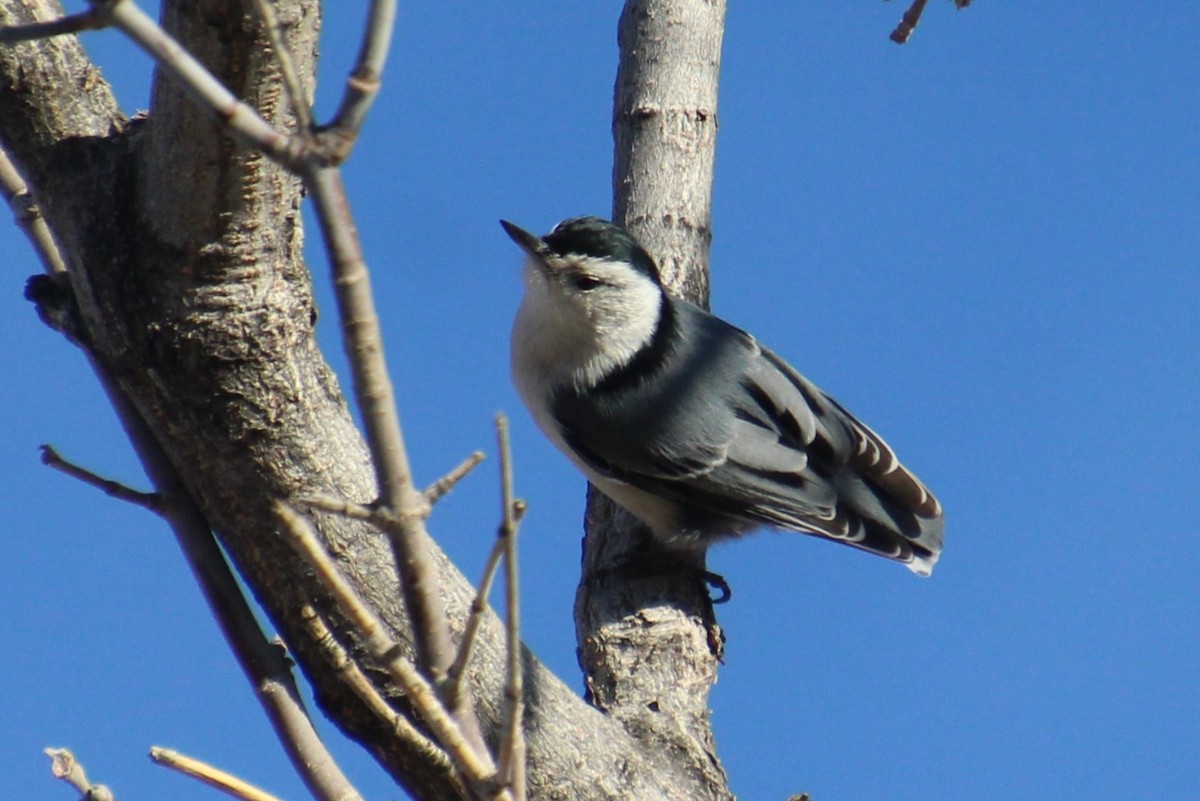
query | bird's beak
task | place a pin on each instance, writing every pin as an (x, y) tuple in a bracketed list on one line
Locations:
[(533, 245)]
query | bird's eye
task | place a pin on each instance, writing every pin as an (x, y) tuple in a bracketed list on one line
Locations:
[(585, 282)]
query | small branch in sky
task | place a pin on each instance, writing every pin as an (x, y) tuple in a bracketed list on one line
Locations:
[(28, 215), (64, 766), (93, 19), (364, 81), (348, 509), (452, 687), (206, 773), (440, 488), (908, 23), (384, 518), (147, 500), (511, 755)]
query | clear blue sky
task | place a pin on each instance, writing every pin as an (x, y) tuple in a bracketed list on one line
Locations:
[(986, 243)]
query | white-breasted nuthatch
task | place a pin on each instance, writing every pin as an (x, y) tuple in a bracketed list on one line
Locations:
[(688, 422)]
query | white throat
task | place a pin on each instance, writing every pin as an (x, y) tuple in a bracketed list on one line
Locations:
[(570, 338)]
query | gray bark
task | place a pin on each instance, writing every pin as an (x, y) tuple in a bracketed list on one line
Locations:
[(184, 251), (648, 639)]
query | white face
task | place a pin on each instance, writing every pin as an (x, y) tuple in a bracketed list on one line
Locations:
[(581, 318)]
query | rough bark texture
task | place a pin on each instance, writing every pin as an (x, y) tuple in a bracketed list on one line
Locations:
[(185, 261), (665, 134), (648, 640)]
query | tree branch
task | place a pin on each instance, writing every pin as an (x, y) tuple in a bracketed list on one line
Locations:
[(64, 766), (647, 639), (364, 81), (362, 687), (376, 399), (206, 773), (29, 217), (113, 489), (93, 19), (908, 23), (512, 743), (474, 763)]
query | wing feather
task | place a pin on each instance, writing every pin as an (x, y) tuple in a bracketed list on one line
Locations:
[(758, 443)]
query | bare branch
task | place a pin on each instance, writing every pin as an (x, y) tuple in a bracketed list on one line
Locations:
[(93, 19), (475, 763), (512, 742), (383, 518), (908, 23), (316, 766), (64, 766), (28, 215), (363, 83), (452, 687), (348, 509), (373, 391), (151, 501), (440, 488), (353, 676), (206, 773)]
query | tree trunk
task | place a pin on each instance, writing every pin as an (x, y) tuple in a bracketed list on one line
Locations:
[(649, 642)]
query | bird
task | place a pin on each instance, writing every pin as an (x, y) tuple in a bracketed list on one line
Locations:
[(686, 421)]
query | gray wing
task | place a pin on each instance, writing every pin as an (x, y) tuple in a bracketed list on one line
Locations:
[(759, 444)]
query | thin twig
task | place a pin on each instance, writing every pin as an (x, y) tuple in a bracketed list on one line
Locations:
[(28, 215), (452, 686), (511, 755), (908, 23), (206, 773), (353, 676), (363, 83), (93, 19), (64, 765), (375, 396), (440, 488), (383, 518), (344, 508), (474, 763), (315, 765), (287, 66), (151, 501)]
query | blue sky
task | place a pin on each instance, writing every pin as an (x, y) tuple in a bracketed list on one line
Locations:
[(985, 243)]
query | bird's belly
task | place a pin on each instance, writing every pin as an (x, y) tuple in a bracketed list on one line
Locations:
[(675, 525)]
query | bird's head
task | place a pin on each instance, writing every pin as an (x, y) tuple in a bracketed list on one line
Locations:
[(593, 297)]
